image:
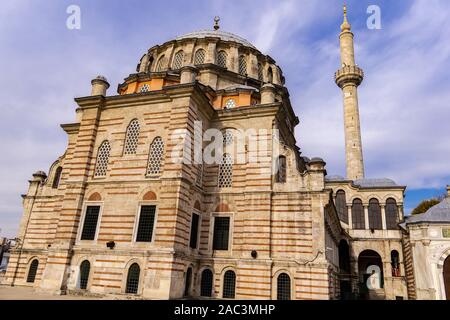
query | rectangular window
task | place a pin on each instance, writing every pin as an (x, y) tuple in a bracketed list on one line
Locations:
[(90, 223), (145, 225), (221, 233), (194, 231)]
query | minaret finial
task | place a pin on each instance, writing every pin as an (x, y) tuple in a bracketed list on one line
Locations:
[(345, 25), (216, 22)]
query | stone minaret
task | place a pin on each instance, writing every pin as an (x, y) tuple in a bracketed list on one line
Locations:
[(348, 78)]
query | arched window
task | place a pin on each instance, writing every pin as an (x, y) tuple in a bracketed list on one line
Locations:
[(133, 279), (283, 287), (206, 283), (229, 284), (155, 157), (57, 177), (230, 104), (161, 64), (178, 60), (260, 72), (101, 166), (32, 271), (227, 137), (199, 57), (85, 268), (270, 75), (242, 65), (132, 137), (375, 215), (222, 59), (391, 214), (187, 285), (281, 169), (341, 206), (226, 171), (395, 263), (358, 219)]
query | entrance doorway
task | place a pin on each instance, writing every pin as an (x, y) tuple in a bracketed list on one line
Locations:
[(344, 268), (370, 268)]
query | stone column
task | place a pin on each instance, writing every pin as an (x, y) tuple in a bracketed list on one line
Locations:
[(99, 86), (211, 53), (350, 219), (366, 216), (253, 66), (383, 217), (233, 59), (267, 93), (188, 74)]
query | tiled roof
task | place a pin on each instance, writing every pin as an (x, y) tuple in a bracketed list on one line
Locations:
[(437, 213)]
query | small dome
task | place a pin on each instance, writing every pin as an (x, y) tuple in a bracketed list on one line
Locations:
[(223, 35)]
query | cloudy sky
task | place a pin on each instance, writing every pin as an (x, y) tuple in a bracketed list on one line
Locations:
[(404, 100)]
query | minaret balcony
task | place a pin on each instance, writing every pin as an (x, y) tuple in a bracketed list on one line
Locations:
[(349, 75)]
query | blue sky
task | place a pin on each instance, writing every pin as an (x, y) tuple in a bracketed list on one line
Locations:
[(404, 100)]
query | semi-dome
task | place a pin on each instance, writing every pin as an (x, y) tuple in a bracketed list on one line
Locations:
[(223, 35)]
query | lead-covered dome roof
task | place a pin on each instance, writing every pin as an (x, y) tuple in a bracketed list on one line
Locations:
[(223, 35)]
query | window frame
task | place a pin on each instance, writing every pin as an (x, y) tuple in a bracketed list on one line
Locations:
[(229, 251), (199, 222), (291, 286), (136, 222), (125, 278), (201, 282), (375, 218), (363, 223), (126, 139), (88, 282), (57, 177), (108, 168), (83, 217), (222, 283), (161, 162), (30, 263)]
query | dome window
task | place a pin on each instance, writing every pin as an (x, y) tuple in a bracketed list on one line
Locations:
[(242, 66), (178, 60), (222, 59), (230, 104), (199, 57), (260, 72), (162, 62)]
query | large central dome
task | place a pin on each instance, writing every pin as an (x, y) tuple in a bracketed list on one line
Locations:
[(223, 35)]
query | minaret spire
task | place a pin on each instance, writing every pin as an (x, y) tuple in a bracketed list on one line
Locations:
[(348, 78)]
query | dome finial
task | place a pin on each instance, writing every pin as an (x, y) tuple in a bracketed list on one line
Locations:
[(345, 25), (216, 22)]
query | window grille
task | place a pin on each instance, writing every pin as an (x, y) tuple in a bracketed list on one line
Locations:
[(226, 172), (341, 206), (145, 88), (199, 57), (101, 166), (32, 271), (231, 103), (281, 170), (283, 287), (221, 233), (242, 66), (358, 219), (194, 231), (391, 212), (146, 223), (222, 59), (90, 223), (133, 279), (57, 178), (206, 283), (260, 72), (161, 65), (132, 137), (374, 215), (227, 137), (155, 156), (178, 60), (229, 284), (85, 268)]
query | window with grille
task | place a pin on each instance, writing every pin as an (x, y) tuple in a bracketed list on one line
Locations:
[(260, 72), (145, 88), (222, 59), (229, 285), (90, 223), (194, 231), (206, 283), (178, 60), (391, 212), (133, 279), (32, 271), (132, 137), (187, 284), (155, 156), (281, 170), (283, 287), (199, 57), (227, 137), (242, 66), (231, 103), (375, 215), (146, 223), (161, 64), (221, 233), (57, 178), (85, 268), (358, 219), (226, 172), (101, 166), (341, 206)]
